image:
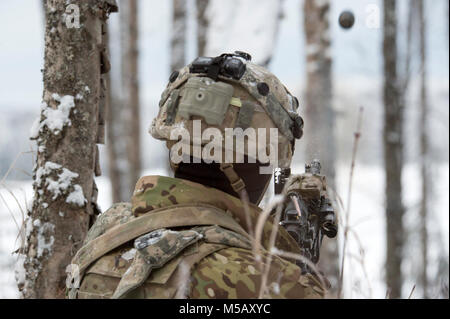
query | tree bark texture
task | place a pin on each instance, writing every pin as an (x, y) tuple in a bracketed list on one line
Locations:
[(319, 111), (44, 11), (112, 114), (202, 26), (69, 127), (178, 37), (130, 79), (424, 148), (393, 152)]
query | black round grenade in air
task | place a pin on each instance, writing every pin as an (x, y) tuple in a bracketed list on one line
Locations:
[(346, 19)]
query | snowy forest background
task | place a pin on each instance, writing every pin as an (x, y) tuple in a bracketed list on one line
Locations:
[(272, 32)]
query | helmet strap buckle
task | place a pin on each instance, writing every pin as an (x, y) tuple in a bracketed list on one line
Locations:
[(236, 182)]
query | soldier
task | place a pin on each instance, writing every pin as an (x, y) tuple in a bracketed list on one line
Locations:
[(202, 234)]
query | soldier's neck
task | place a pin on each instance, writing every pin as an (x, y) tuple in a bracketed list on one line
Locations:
[(211, 175)]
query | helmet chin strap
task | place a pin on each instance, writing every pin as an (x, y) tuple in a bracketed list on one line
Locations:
[(238, 186), (236, 182), (240, 180)]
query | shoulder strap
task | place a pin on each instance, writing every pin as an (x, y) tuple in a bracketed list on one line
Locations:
[(175, 216)]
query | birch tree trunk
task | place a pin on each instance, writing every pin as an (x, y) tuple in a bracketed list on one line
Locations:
[(130, 78), (279, 16), (319, 111), (67, 131), (202, 26), (424, 158), (178, 37), (393, 152)]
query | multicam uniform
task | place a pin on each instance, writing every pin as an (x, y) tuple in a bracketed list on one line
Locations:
[(206, 254), (182, 239)]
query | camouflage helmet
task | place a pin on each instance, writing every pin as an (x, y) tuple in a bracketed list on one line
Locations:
[(229, 91)]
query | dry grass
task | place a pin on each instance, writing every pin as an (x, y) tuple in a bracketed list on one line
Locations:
[(260, 227), (301, 258), (245, 200), (268, 261), (357, 136), (265, 263), (412, 292), (22, 207)]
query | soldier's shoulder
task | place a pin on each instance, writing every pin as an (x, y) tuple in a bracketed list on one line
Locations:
[(235, 273), (117, 214)]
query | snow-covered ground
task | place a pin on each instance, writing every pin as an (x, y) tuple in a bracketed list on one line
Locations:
[(363, 275), (14, 197), (367, 221)]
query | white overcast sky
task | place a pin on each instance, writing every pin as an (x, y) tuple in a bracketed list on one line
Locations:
[(355, 52)]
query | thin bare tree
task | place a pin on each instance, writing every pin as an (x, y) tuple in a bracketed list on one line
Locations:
[(447, 15), (113, 111), (130, 84), (279, 16), (116, 137), (178, 36), (67, 131), (319, 110), (393, 152), (424, 148), (202, 26), (44, 11)]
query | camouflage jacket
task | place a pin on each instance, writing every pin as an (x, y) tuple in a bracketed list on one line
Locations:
[(179, 239)]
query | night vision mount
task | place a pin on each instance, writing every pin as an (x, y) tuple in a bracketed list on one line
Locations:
[(231, 65)]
